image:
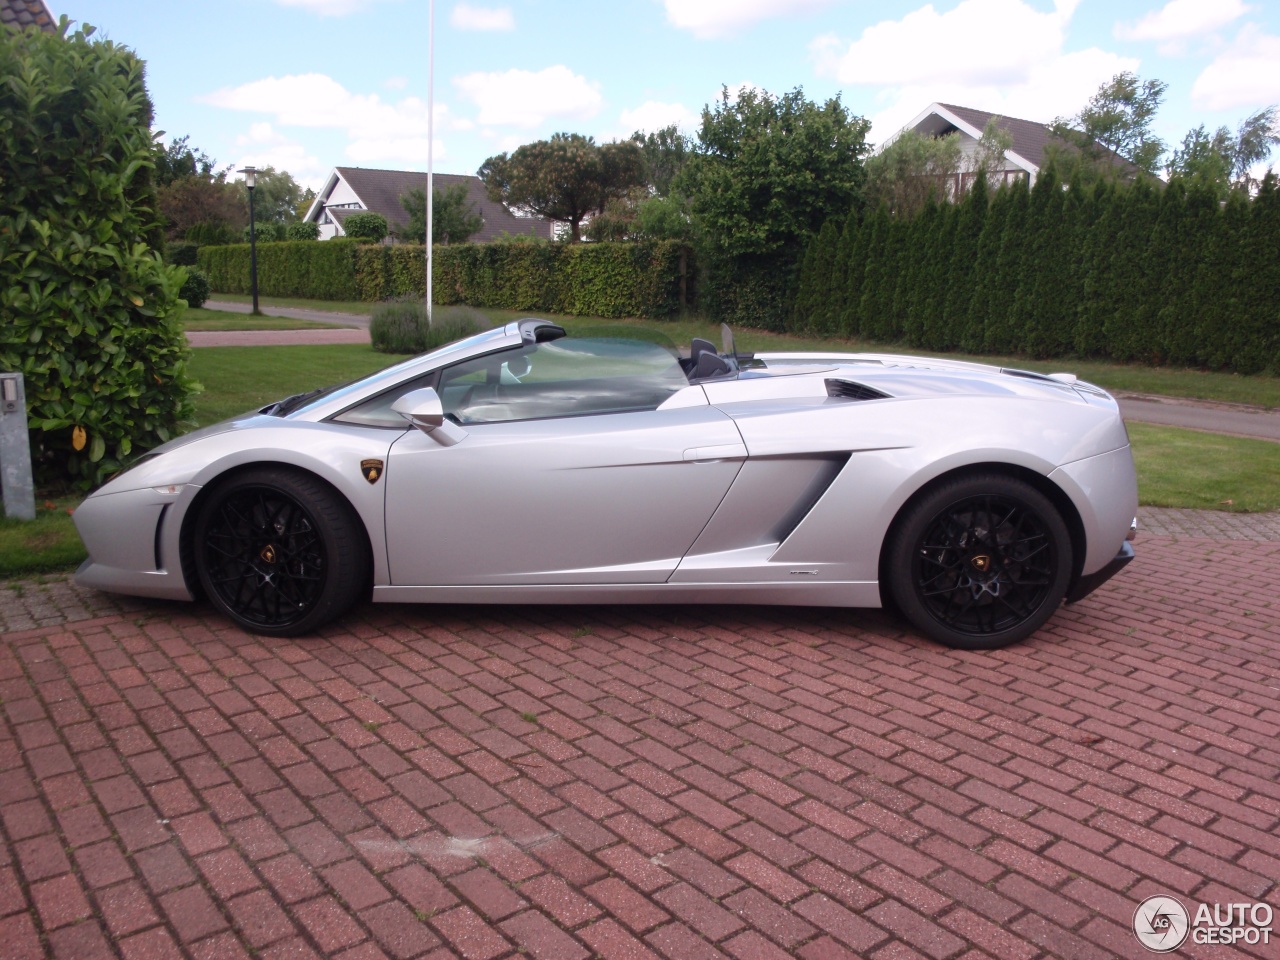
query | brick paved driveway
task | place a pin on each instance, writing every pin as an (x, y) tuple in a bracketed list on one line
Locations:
[(624, 783)]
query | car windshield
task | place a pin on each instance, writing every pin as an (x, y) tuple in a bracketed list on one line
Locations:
[(573, 376)]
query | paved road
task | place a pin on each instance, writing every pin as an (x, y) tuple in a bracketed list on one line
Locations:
[(295, 313), (1233, 418), (720, 782)]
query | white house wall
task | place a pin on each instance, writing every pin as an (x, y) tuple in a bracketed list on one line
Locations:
[(341, 196)]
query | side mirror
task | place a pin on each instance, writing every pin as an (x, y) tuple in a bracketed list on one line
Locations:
[(424, 410)]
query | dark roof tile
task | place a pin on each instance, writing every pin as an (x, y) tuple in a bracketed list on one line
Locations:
[(380, 190), (27, 13), (1029, 137)]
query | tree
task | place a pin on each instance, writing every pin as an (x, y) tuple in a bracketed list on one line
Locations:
[(990, 151), (665, 152), (275, 197), (1116, 120), (365, 227), (198, 201), (454, 218), (911, 170), (1217, 162), (179, 160), (304, 203), (983, 293), (565, 179), (765, 175)]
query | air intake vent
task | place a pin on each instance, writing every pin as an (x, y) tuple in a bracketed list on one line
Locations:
[(848, 390)]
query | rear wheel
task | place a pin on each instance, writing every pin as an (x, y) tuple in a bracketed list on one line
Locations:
[(279, 552), (980, 562)]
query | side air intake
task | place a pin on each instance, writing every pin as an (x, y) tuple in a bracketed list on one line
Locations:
[(848, 390)]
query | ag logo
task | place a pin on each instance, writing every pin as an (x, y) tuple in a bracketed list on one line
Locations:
[(372, 469), (1161, 924)]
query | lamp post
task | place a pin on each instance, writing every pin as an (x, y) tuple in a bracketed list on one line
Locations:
[(431, 88), (250, 181)]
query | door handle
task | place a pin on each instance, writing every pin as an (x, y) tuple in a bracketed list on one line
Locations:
[(724, 451)]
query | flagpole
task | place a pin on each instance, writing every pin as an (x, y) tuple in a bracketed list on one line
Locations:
[(431, 82)]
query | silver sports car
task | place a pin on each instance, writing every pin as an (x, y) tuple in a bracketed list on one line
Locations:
[(522, 465)]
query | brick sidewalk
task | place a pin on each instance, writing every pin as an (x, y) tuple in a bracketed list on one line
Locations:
[(568, 782)]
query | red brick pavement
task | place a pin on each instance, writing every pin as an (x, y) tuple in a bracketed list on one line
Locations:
[(565, 783)]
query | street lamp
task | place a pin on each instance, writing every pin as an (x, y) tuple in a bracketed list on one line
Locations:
[(250, 181)]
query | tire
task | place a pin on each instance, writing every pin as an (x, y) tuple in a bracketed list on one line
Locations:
[(279, 552), (979, 562)]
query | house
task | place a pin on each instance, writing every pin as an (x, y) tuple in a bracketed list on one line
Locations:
[(1022, 160), (358, 190), (21, 14)]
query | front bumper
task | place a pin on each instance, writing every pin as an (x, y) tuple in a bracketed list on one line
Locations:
[(132, 539), (1091, 582)]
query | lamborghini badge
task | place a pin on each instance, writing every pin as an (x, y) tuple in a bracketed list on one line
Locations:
[(982, 563), (372, 469)]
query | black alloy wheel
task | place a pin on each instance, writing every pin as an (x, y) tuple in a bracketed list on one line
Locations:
[(279, 552), (980, 562)]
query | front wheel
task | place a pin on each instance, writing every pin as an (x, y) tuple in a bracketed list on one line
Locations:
[(279, 552), (980, 562)]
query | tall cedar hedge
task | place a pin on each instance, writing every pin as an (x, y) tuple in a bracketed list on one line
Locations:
[(87, 307), (598, 279), (1130, 273)]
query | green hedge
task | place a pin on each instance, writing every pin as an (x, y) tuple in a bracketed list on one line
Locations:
[(294, 268), (89, 312), (1129, 273), (599, 279)]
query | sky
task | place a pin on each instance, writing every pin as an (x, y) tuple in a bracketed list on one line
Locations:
[(307, 85)]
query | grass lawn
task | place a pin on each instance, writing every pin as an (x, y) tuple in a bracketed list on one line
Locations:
[(46, 544), (1207, 471), (332, 306), (237, 379), (197, 318)]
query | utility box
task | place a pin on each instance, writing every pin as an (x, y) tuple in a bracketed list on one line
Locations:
[(15, 450)]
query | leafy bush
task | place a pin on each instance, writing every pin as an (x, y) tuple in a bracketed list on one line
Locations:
[(401, 326), (210, 234), (196, 290), (302, 230), (366, 227), (397, 327), (89, 306), (267, 232), (180, 253)]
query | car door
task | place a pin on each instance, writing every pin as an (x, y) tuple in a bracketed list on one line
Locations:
[(603, 468)]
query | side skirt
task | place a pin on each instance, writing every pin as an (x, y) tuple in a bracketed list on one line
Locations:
[(834, 594)]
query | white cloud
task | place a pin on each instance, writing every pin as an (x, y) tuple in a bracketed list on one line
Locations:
[(1013, 62), (988, 42), (396, 83), (707, 19), (264, 146), (1182, 19), (1057, 88), (652, 115), (1244, 74), (467, 17), (522, 98), (377, 131)]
